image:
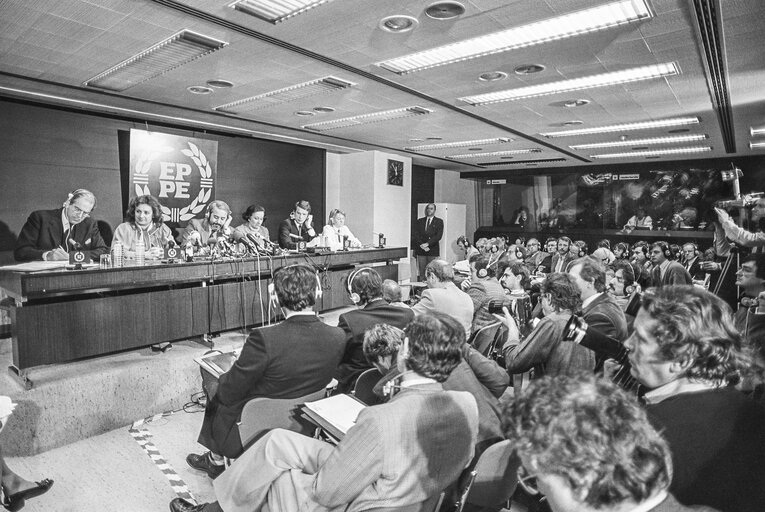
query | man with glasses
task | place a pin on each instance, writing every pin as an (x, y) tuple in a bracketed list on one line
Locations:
[(536, 257), (49, 235), (588, 446)]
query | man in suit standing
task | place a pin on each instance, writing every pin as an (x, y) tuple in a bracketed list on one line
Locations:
[(398, 454), (366, 291), (291, 359), (665, 270), (49, 235), (563, 257), (443, 295), (427, 234), (298, 228)]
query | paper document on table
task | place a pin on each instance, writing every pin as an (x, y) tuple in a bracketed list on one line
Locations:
[(35, 266), (336, 414)]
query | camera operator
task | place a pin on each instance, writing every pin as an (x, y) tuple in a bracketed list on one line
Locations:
[(738, 234)]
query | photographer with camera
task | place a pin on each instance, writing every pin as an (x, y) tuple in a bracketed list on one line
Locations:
[(543, 349), (740, 235)]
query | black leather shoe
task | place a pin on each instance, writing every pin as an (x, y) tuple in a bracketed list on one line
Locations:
[(204, 463), (181, 505), (15, 501)]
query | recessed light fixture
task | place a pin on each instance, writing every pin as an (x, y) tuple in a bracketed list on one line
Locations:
[(305, 113), (374, 117), (653, 140), (757, 145), (551, 29), (398, 23), (573, 122), (175, 51), (291, 93), (574, 84), (460, 144), (199, 89), (446, 10), (576, 103), (275, 11), (220, 84), (656, 152), (756, 131), (528, 69), (625, 127), (492, 76), (324, 110), (495, 153)]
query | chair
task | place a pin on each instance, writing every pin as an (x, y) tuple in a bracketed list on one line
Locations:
[(483, 338), (496, 476), (263, 414), (364, 385)]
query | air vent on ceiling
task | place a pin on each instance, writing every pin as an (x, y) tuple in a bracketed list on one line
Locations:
[(291, 93), (275, 11), (520, 162), (173, 52), (375, 117)]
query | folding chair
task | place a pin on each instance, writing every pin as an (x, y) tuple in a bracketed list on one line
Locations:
[(364, 385)]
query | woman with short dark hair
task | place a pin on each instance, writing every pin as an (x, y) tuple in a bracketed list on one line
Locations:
[(143, 222)]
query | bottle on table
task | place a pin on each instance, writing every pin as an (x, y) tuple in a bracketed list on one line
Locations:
[(140, 252), (117, 254)]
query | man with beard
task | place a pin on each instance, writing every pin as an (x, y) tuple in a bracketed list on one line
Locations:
[(215, 222)]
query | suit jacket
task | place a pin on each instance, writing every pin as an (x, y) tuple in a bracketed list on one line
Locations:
[(538, 258), (44, 231), (675, 274), (695, 269), (605, 315), (199, 225), (288, 227), (291, 359), (431, 236), (450, 300), (567, 258), (355, 324)]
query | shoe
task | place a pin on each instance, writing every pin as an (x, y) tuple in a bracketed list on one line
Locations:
[(16, 500), (181, 505), (204, 463), (161, 347)]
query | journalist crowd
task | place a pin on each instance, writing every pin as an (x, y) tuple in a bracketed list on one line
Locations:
[(613, 378)]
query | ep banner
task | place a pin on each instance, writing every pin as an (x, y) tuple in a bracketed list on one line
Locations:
[(179, 171)]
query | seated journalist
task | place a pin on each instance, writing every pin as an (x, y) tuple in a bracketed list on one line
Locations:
[(398, 454), (298, 228), (588, 447), (687, 350), (50, 235), (143, 221), (288, 360)]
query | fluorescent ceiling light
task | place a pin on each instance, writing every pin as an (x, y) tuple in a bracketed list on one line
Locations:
[(624, 127), (460, 144), (559, 27), (671, 139), (175, 51), (575, 84), (756, 131), (757, 145), (655, 152), (275, 11), (520, 162), (291, 93), (374, 117), (495, 153)]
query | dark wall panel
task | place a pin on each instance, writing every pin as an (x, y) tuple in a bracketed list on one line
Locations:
[(423, 188), (47, 152)]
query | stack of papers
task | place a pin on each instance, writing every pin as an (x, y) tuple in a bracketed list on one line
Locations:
[(336, 414)]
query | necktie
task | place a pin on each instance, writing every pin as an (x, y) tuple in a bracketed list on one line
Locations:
[(427, 224), (656, 276), (65, 243)]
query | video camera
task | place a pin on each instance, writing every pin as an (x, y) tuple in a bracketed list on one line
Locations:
[(745, 201)]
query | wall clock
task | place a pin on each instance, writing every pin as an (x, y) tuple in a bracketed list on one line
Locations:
[(395, 173)]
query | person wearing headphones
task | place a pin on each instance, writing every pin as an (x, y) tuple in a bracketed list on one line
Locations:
[(298, 228), (691, 261), (216, 221), (336, 231), (49, 235), (144, 221), (290, 359), (665, 270)]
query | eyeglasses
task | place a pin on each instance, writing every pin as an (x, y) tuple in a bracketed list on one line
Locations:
[(79, 210)]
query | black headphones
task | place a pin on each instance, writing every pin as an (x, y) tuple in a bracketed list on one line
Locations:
[(695, 247), (355, 298), (664, 246), (272, 287)]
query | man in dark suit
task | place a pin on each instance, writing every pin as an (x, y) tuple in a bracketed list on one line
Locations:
[(49, 235), (366, 291), (298, 228), (428, 231), (692, 263), (291, 359), (563, 257), (666, 271)]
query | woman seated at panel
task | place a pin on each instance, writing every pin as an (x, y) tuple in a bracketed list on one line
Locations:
[(253, 216), (144, 222), (336, 231)]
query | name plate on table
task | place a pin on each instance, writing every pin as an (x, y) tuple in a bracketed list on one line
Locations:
[(172, 253), (77, 258)]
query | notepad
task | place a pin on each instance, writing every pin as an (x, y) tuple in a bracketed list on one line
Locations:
[(336, 414)]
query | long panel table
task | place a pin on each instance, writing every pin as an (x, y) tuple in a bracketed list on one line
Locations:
[(62, 315)]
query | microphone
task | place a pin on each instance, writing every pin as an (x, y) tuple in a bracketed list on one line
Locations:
[(293, 235), (75, 244)]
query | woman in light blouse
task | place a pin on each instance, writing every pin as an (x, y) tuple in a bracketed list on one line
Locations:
[(336, 231), (144, 221)]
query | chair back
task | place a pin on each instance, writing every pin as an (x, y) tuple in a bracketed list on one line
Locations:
[(483, 338), (263, 414), (364, 385), (496, 476)]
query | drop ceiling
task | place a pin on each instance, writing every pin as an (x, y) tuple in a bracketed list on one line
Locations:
[(49, 49)]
